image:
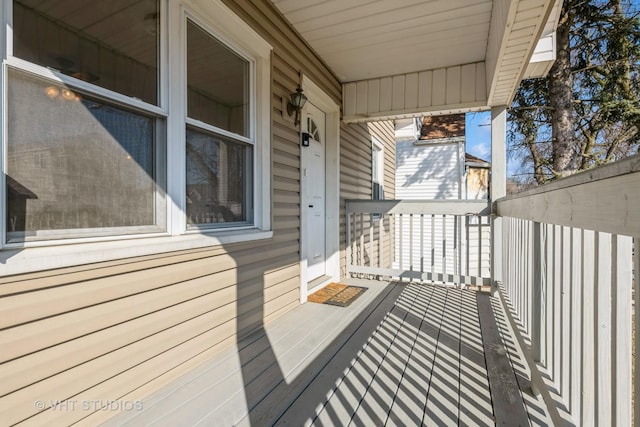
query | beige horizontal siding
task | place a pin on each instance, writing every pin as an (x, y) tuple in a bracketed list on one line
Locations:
[(123, 328), (356, 179)]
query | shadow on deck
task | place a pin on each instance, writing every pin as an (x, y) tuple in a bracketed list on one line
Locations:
[(402, 354)]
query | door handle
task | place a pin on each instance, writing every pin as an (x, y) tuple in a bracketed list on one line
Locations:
[(310, 206)]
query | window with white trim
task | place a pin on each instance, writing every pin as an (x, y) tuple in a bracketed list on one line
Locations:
[(110, 106), (219, 147)]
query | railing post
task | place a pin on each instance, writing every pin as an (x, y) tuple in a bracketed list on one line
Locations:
[(498, 187)]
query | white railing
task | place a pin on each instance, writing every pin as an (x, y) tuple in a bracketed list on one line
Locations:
[(439, 241), (567, 278), (566, 275)]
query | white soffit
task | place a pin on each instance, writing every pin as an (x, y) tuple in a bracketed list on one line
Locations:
[(545, 53), (517, 26)]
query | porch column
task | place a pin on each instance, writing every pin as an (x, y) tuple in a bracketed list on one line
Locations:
[(498, 186)]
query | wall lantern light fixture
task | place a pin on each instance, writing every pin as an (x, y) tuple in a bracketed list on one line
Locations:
[(298, 99)]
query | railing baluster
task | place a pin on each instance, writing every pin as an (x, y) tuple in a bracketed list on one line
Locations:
[(371, 251), (433, 247), (396, 238), (381, 241), (468, 250), (537, 309), (479, 271), (603, 337), (565, 381), (348, 260), (455, 246), (524, 280), (589, 328), (517, 266), (526, 288), (526, 285), (621, 298), (507, 238), (361, 240), (636, 279), (411, 242), (576, 334), (549, 292), (444, 248), (421, 243), (557, 304), (401, 245), (521, 262), (355, 240)]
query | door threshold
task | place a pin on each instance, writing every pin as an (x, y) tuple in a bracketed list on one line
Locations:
[(318, 283)]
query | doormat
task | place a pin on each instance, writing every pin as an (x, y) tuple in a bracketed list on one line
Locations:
[(337, 294)]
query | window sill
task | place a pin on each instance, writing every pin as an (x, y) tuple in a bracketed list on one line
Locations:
[(28, 260)]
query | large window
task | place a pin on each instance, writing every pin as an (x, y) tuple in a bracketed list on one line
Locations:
[(79, 164), (76, 163), (107, 117), (219, 160)]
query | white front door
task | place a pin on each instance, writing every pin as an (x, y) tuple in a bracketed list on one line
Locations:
[(313, 197)]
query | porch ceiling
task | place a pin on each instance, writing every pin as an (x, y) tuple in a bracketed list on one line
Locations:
[(363, 39), (370, 40)]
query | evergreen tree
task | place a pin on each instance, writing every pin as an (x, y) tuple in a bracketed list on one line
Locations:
[(586, 112)]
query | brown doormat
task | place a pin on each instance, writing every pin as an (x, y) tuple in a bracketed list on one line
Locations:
[(337, 294)]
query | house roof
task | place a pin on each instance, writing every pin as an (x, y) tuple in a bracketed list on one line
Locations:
[(470, 158), (405, 58), (438, 127)]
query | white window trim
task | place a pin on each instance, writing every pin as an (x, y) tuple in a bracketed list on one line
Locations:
[(18, 261), (24, 257)]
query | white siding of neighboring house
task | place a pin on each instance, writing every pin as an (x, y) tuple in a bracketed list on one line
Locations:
[(427, 171)]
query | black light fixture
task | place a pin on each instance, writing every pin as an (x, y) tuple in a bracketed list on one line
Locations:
[(295, 104)]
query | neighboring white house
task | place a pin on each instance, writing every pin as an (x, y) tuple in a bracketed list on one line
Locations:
[(431, 163)]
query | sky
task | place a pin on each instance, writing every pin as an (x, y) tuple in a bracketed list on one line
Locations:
[(478, 139), (478, 134)]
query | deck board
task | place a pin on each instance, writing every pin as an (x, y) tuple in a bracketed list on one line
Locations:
[(475, 398), (357, 382), (443, 397), (384, 384), (402, 354), (408, 403)]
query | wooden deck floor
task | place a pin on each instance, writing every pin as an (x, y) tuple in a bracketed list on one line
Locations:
[(402, 354)]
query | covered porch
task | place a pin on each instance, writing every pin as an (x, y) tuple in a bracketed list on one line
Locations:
[(549, 343), (218, 331), (545, 338)]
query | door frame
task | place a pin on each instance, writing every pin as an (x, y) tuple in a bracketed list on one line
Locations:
[(331, 109)]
